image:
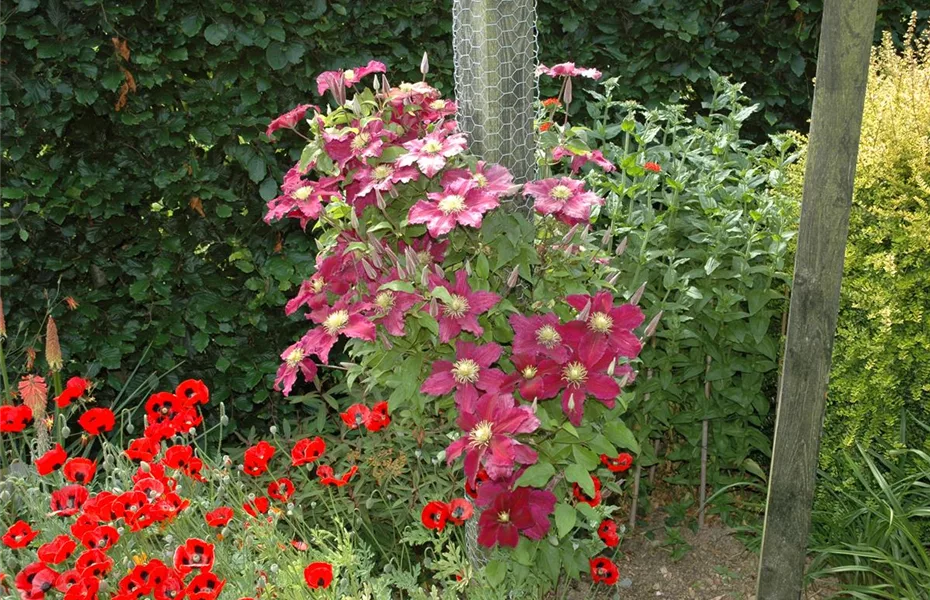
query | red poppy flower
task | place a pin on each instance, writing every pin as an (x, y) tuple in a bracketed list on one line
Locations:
[(187, 419), (85, 588), (481, 477), (193, 391), (607, 531), (57, 550), (14, 419), (68, 500), (93, 563), (651, 166), (328, 477), (19, 535), (434, 515), (151, 487), (306, 451), (154, 572), (159, 432), (34, 580), (145, 449), (178, 457), (101, 538), (617, 464), (379, 418), (460, 510), (97, 420), (318, 575), (603, 570), (300, 545), (255, 460), (74, 389), (205, 586), (171, 587), (545, 126), (83, 524), (162, 407), (580, 496), (128, 503), (68, 578), (80, 470), (51, 461), (132, 586), (282, 489), (256, 507), (219, 517), (194, 470), (355, 415), (172, 504), (194, 554)]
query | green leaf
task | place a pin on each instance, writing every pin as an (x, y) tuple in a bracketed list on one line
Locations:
[(495, 571), (200, 341), (268, 189), (441, 294), (481, 266), (191, 24), (223, 211), (275, 56), (618, 433), (399, 286), (256, 168), (216, 33), (584, 457), (578, 474), (565, 518), (537, 475)]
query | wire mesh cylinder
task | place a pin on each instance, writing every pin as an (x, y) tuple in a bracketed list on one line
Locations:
[(495, 82)]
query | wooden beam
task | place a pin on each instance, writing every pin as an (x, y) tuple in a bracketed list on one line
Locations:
[(842, 72)]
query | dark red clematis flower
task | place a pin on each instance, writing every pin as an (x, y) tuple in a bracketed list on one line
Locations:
[(380, 418), (14, 419), (531, 376), (281, 489), (178, 457), (256, 507), (80, 470), (608, 329), (193, 554), (205, 586), (538, 335), (328, 477), (580, 496), (144, 449), (356, 415), (68, 500), (617, 464), (318, 575), (434, 515), (581, 376), (193, 391), (607, 531), (34, 580), (57, 550), (101, 538), (97, 420), (307, 451), (19, 535), (219, 517), (465, 307), (51, 461), (460, 510), (510, 513), (603, 570), (255, 460), (93, 563)]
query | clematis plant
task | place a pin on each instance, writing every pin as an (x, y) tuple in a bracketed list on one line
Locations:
[(478, 322)]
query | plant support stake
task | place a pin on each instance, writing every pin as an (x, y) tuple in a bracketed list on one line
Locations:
[(842, 72), (703, 492)]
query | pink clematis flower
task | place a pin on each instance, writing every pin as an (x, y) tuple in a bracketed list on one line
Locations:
[(296, 358), (563, 197), (431, 152), (301, 198), (341, 319), (579, 159), (510, 513), (330, 79), (332, 276), (470, 373), (568, 69), (492, 179), (490, 424), (538, 335), (383, 177), (461, 203), (608, 330), (426, 250), (531, 376), (358, 142), (389, 307), (461, 312), (290, 119), (580, 377)]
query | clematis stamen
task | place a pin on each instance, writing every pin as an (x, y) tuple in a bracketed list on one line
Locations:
[(336, 321), (600, 323), (575, 374), (466, 371), (481, 435), (457, 307), (548, 337)]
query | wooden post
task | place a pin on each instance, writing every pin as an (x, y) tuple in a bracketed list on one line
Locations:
[(702, 495), (842, 73)]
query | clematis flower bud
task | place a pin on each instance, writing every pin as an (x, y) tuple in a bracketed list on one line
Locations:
[(384, 83), (379, 200), (568, 236), (638, 295), (612, 280), (424, 278), (369, 270), (653, 325), (513, 278), (605, 239), (567, 94), (353, 219), (424, 66), (621, 247)]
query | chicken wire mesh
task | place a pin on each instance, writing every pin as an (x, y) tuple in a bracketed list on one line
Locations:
[(495, 54)]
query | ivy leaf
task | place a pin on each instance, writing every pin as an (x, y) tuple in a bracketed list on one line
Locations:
[(537, 475), (565, 518)]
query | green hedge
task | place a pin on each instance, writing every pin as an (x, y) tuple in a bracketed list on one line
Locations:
[(105, 204)]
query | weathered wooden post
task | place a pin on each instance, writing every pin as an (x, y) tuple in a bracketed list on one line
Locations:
[(842, 72), (494, 45)]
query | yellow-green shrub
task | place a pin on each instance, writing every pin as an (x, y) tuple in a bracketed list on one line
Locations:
[(881, 362)]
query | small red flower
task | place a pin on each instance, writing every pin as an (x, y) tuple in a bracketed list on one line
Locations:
[(552, 102), (617, 464), (356, 415), (651, 166), (472, 490), (19, 535), (318, 575), (194, 554), (14, 419), (97, 420), (52, 460), (255, 459), (57, 550), (307, 451), (144, 449), (67, 579), (205, 586), (460, 510), (93, 563), (607, 531), (100, 538), (379, 417), (74, 389), (178, 457), (34, 580), (603, 570), (80, 470), (219, 517), (68, 500), (282, 489), (328, 477), (580, 496), (256, 507), (193, 391), (171, 587), (545, 126), (434, 515)]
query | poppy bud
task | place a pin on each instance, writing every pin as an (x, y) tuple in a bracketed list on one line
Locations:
[(273, 430), (638, 295), (65, 431), (52, 347), (145, 467)]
